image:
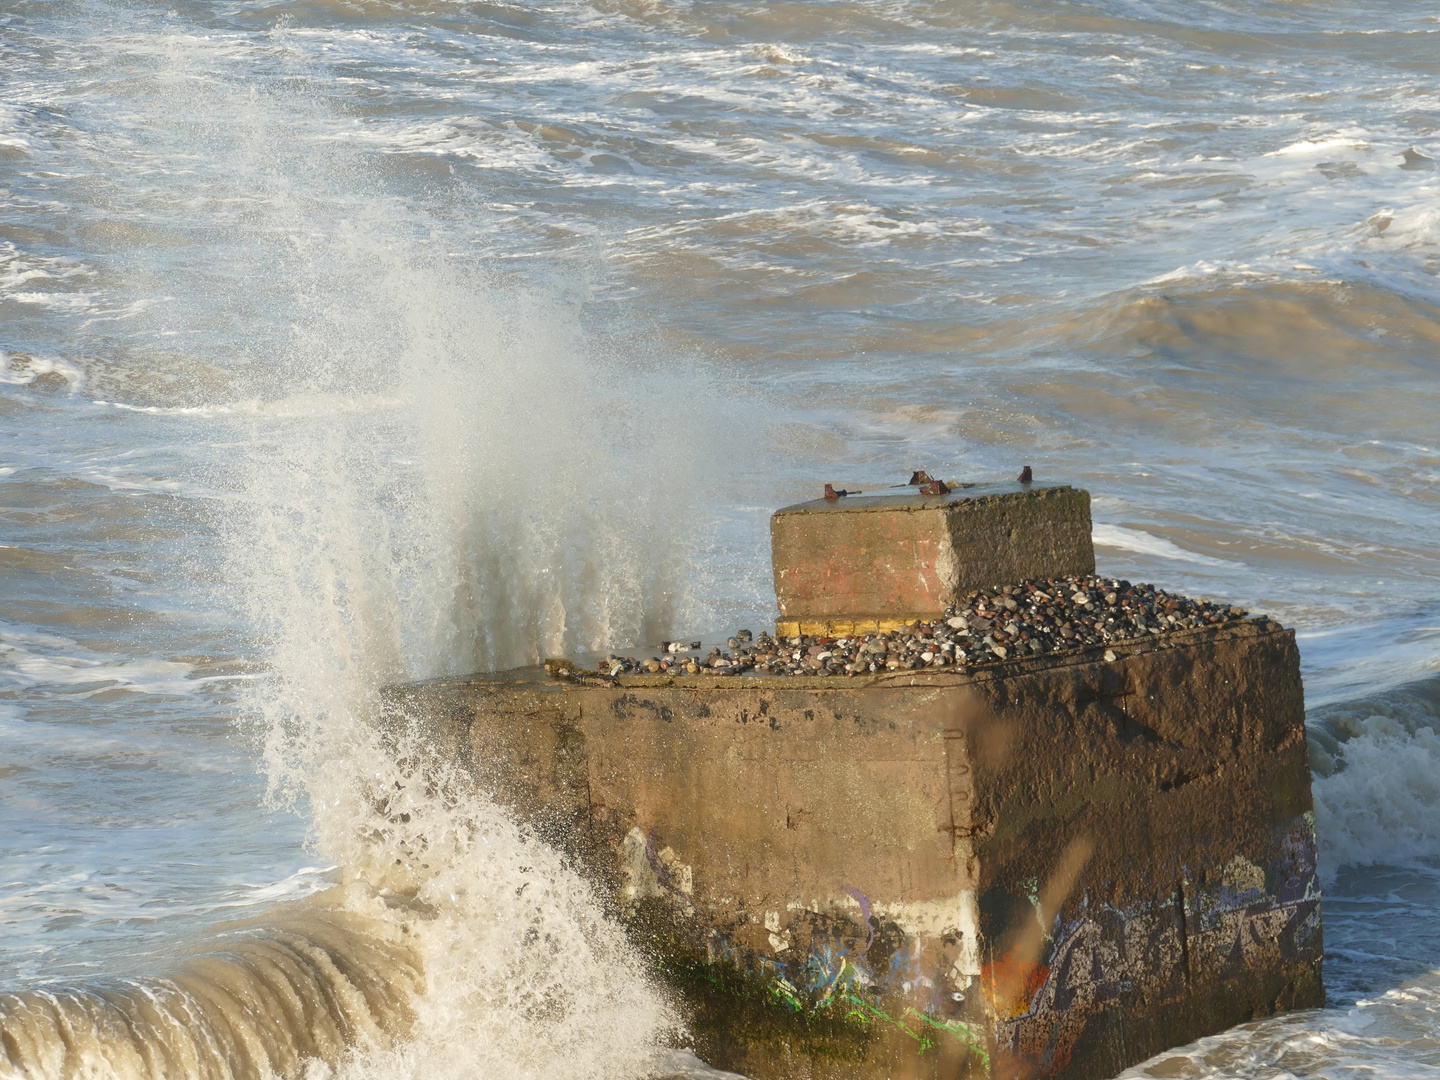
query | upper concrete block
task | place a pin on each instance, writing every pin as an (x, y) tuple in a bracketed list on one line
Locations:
[(877, 557)]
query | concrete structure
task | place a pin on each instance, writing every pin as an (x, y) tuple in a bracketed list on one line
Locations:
[(1056, 867), (1049, 867), (867, 562)]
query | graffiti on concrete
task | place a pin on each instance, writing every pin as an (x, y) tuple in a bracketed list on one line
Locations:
[(836, 984), (818, 964), (867, 972), (1106, 959), (646, 873)]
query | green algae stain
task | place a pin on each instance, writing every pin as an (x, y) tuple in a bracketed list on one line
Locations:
[(925, 1030), (837, 1021)]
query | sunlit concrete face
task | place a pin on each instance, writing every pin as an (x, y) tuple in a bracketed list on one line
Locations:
[(1055, 867), (904, 555)]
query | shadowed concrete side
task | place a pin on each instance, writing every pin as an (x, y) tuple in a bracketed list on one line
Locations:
[(1057, 867)]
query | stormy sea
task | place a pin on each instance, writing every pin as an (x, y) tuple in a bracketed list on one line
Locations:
[(345, 343)]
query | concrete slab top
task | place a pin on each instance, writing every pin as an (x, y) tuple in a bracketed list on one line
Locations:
[(907, 498)]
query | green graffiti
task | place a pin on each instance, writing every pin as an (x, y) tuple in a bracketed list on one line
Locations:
[(783, 991), (865, 1012), (961, 1032), (842, 992)]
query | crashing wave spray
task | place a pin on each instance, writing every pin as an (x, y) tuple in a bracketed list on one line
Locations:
[(436, 474), (1377, 782), (378, 533), (454, 524)]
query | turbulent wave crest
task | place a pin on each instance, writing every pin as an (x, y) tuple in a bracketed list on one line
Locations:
[(1377, 777), (303, 987), (1273, 328)]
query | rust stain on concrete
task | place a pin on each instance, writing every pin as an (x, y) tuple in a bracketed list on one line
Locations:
[(873, 559)]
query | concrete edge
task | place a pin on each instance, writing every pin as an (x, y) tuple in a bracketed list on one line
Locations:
[(909, 501), (999, 669)]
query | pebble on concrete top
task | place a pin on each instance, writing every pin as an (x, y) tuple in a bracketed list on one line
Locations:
[(1035, 618)]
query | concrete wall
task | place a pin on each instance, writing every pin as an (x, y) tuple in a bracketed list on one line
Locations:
[(907, 555), (1050, 868)]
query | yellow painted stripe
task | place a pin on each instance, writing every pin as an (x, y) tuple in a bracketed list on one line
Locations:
[(843, 627)]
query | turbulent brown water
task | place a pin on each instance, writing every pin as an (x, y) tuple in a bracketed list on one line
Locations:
[(349, 343)]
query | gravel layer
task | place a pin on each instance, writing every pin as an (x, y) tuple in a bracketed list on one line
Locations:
[(1035, 618)]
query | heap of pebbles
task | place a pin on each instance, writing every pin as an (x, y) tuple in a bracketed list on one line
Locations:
[(1035, 618)]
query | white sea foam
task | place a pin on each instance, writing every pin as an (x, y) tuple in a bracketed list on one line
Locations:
[(19, 370), (33, 659), (1384, 804), (1377, 1037), (20, 271), (1126, 539), (1353, 139)]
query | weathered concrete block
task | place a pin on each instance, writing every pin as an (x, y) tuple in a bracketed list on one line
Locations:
[(1056, 867), (864, 561)]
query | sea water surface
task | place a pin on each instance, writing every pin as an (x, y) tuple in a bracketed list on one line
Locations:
[(345, 342)]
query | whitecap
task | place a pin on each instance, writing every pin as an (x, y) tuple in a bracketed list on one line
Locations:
[(1124, 539)]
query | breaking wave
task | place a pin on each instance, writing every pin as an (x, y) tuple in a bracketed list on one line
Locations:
[(1272, 326), (1377, 776), (433, 470), (488, 505)]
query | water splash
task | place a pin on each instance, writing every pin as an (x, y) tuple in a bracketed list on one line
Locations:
[(479, 502), (1377, 782), (497, 509), (304, 986), (425, 467)]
